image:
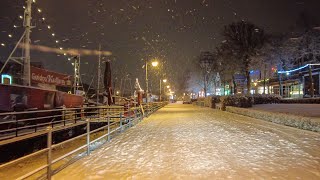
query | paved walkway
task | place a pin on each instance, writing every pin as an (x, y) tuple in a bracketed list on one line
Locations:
[(188, 142)]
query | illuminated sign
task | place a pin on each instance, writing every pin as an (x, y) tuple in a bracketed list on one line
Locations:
[(6, 79), (44, 76)]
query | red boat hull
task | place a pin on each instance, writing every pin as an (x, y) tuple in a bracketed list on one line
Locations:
[(20, 98)]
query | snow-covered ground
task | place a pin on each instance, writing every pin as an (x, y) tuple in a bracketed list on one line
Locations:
[(189, 142), (307, 110)]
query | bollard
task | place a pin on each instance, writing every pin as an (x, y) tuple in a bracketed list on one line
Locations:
[(49, 156), (88, 137)]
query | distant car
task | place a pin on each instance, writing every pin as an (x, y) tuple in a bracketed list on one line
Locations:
[(186, 100)]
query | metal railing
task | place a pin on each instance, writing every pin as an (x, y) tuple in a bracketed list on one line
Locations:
[(15, 124), (121, 121)]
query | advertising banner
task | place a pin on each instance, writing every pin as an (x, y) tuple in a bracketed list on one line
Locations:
[(44, 76)]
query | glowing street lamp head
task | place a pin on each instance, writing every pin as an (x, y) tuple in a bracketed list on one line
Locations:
[(155, 63), (165, 80)]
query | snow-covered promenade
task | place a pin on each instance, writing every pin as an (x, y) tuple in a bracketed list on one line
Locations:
[(189, 142)]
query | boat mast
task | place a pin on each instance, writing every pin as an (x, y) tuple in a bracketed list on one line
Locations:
[(26, 62), (77, 75), (99, 74)]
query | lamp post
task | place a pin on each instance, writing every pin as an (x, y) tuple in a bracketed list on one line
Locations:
[(154, 64), (165, 89), (164, 81)]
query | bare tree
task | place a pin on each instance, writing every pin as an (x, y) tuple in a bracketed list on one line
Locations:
[(245, 39), (228, 64)]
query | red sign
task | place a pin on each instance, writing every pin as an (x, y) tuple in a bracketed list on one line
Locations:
[(44, 76)]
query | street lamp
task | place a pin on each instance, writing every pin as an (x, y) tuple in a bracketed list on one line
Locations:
[(154, 64), (164, 81)]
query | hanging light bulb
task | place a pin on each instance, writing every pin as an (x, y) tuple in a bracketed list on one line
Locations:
[(53, 34), (15, 26), (43, 19), (49, 27), (21, 17), (57, 41), (10, 35), (39, 10), (2, 44), (34, 1)]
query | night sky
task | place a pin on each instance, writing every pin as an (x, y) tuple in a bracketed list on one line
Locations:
[(174, 31)]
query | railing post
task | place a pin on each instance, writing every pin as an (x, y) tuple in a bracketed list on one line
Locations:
[(147, 110), (98, 110), (63, 117), (17, 125), (49, 157), (120, 121), (141, 115), (130, 118), (88, 137), (108, 118), (35, 127), (135, 114), (75, 116)]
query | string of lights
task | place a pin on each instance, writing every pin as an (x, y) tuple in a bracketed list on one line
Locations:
[(37, 17), (11, 32), (49, 27), (297, 69)]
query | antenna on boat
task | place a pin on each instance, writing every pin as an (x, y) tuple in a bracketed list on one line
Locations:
[(24, 60), (99, 74)]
